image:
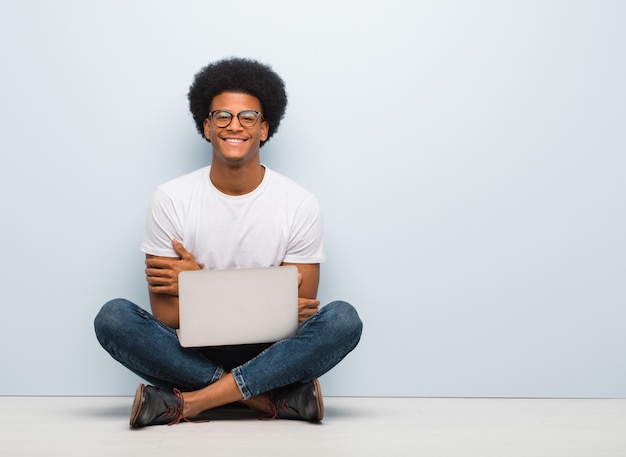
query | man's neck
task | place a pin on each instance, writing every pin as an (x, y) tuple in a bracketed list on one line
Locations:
[(236, 180)]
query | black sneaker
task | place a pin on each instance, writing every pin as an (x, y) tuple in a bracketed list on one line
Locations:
[(153, 406), (301, 401)]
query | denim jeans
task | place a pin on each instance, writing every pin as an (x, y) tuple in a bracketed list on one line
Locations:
[(151, 350)]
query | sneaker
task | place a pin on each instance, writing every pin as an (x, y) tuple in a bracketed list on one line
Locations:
[(153, 406), (300, 401)]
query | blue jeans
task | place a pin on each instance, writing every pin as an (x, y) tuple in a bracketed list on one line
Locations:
[(151, 350)]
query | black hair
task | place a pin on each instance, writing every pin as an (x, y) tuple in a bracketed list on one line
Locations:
[(242, 76)]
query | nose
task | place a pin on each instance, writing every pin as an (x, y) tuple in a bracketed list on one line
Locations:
[(234, 124)]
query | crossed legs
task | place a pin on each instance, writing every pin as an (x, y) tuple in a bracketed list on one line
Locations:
[(151, 350)]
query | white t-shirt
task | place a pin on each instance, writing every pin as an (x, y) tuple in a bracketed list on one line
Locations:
[(277, 222)]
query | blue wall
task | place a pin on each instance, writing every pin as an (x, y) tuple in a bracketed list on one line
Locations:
[(469, 157)]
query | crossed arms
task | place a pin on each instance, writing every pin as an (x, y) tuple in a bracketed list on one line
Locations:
[(162, 277)]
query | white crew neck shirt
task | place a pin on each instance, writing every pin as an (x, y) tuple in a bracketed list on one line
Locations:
[(277, 222)]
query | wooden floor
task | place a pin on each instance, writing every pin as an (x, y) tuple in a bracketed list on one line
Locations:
[(381, 427)]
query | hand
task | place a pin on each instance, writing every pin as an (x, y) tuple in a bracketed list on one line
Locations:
[(162, 272), (306, 306)]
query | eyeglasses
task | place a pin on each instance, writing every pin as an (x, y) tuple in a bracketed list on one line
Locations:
[(223, 118)]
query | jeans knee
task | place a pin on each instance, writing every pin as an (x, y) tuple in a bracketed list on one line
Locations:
[(347, 319), (111, 316)]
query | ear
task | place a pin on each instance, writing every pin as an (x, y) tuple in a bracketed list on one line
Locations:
[(207, 129), (265, 130)]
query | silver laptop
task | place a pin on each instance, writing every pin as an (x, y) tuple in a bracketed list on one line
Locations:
[(243, 306)]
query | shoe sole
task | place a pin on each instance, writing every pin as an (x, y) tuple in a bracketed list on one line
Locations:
[(319, 400), (134, 413)]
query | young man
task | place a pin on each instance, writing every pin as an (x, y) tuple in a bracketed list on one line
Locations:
[(235, 213)]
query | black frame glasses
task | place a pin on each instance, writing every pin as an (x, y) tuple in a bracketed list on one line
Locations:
[(246, 118)]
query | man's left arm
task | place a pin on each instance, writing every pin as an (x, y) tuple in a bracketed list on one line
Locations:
[(308, 281)]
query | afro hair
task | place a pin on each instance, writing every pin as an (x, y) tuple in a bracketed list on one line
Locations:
[(238, 75)]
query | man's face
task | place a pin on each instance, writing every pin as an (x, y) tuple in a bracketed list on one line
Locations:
[(235, 144)]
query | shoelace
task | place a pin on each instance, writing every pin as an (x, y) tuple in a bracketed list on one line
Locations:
[(276, 407), (176, 411)]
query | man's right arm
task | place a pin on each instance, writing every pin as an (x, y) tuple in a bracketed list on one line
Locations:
[(165, 308), (162, 277)]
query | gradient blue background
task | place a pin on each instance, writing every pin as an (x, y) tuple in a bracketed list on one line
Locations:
[(469, 157)]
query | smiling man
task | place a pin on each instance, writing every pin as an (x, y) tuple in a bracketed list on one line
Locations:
[(235, 213)]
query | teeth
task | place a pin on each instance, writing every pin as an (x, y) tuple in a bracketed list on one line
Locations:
[(234, 140)]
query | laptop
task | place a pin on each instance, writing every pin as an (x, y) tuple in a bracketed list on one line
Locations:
[(239, 306)]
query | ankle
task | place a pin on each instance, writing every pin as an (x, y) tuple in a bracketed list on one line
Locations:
[(190, 405), (261, 403)]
